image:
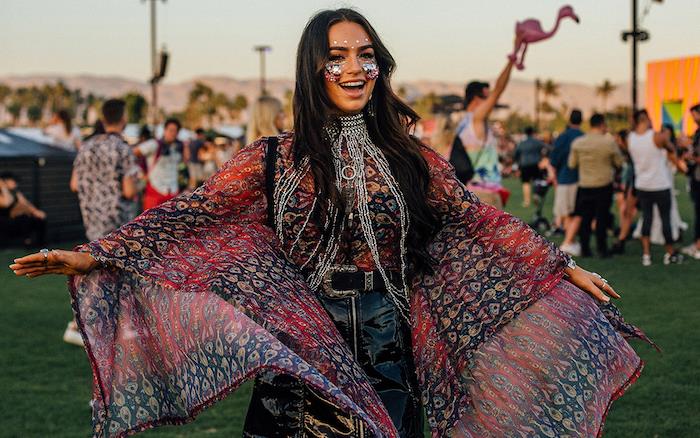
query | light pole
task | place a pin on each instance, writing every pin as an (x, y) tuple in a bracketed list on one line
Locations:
[(262, 50), (637, 34), (157, 68)]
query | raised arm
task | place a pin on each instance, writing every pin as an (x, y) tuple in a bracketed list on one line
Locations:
[(482, 111)]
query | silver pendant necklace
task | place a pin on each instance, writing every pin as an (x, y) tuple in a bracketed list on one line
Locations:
[(350, 180)]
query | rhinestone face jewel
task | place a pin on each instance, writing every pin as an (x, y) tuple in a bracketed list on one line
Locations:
[(334, 69)]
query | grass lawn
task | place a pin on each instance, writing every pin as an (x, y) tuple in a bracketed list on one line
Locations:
[(45, 384)]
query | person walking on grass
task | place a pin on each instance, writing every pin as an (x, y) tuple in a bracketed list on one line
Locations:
[(567, 184), (528, 154), (596, 156), (650, 152), (693, 159)]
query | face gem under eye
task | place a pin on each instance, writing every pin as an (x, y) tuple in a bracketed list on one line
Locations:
[(332, 71), (371, 69)]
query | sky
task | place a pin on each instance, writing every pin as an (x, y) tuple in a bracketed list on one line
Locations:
[(447, 40)]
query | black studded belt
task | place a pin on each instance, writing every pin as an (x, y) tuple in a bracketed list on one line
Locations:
[(345, 281)]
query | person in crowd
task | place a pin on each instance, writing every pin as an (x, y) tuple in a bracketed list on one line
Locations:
[(19, 218), (266, 118), (650, 152), (105, 175), (194, 165), (567, 184), (97, 129), (207, 157), (528, 155), (62, 132), (473, 153), (692, 157), (627, 206), (673, 164), (346, 268), (226, 149), (596, 156), (163, 158)]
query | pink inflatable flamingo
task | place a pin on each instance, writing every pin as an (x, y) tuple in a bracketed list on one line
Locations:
[(530, 31)]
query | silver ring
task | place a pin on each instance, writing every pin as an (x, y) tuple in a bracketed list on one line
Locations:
[(46, 255), (599, 277)]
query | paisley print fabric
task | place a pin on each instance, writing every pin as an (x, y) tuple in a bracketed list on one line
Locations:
[(197, 296)]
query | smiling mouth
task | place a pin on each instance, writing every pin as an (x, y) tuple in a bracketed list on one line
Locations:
[(353, 85)]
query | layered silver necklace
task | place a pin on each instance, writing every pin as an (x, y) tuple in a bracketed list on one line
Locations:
[(352, 136)]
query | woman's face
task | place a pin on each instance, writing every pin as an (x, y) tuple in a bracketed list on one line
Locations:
[(351, 70)]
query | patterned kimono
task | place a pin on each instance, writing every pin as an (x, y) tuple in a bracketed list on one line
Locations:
[(198, 295)]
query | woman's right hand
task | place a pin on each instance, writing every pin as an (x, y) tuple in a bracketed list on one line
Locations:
[(57, 262)]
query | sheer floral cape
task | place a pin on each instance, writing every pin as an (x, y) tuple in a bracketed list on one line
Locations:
[(195, 297)]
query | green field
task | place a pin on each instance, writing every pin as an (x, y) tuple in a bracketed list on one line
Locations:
[(45, 384)]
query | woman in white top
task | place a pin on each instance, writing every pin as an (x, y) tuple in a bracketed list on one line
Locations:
[(650, 152), (62, 132)]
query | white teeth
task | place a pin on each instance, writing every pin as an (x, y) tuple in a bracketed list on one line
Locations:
[(353, 84)]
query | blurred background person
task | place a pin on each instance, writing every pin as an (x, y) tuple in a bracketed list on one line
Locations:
[(673, 165), (227, 149), (626, 198), (97, 128), (650, 152), (163, 158), (474, 154), (194, 165), (528, 155), (104, 176), (267, 118), (208, 158), (567, 184), (19, 218), (62, 132), (596, 156), (692, 157)]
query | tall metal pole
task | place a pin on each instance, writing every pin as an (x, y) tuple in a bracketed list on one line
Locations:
[(635, 32), (262, 50), (154, 67), (263, 89)]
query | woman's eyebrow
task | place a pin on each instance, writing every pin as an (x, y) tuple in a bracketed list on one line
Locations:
[(366, 46)]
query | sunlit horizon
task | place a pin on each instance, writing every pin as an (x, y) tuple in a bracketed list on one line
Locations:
[(453, 42)]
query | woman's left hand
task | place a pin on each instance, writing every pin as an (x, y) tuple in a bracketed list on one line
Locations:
[(591, 283)]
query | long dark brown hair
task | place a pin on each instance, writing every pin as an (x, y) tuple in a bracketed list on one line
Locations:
[(389, 123)]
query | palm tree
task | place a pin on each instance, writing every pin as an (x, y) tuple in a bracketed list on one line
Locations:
[(204, 102), (549, 89), (5, 92), (604, 90), (136, 106)]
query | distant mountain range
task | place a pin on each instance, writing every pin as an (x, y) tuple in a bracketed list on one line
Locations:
[(173, 96)]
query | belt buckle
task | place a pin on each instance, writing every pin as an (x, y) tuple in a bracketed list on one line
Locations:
[(327, 284)]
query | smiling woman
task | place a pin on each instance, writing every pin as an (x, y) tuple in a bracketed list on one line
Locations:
[(346, 268)]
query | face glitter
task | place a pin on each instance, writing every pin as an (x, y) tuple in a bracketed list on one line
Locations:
[(334, 69)]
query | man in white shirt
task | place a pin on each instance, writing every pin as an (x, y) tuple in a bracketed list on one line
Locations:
[(650, 152)]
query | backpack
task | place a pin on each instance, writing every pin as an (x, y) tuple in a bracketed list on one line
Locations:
[(464, 169)]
